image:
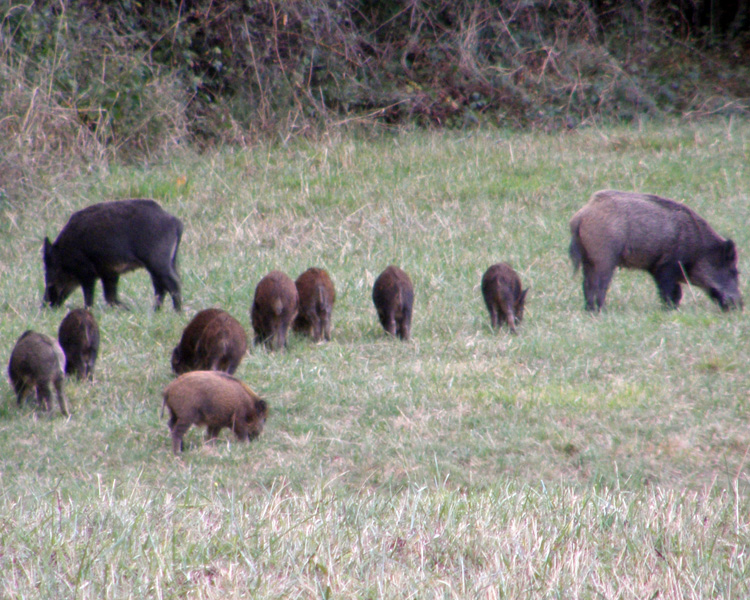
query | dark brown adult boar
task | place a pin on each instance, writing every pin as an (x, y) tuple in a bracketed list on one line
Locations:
[(658, 235), (316, 298), (36, 363), (102, 241), (213, 341), (78, 336), (503, 295), (393, 296), (216, 400), (274, 307)]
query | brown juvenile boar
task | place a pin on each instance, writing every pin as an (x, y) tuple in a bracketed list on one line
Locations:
[(213, 341), (37, 361), (78, 336), (316, 298), (274, 307), (104, 240), (216, 400), (393, 296), (658, 235), (503, 295)]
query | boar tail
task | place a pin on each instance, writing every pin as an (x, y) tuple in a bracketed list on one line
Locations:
[(320, 302), (575, 254), (163, 404), (574, 250)]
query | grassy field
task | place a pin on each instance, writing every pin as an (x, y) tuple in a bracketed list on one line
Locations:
[(588, 457)]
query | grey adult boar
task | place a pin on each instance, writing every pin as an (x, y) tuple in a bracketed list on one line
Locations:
[(393, 296), (36, 362), (275, 306), (661, 236), (78, 336), (316, 299), (216, 400), (102, 241), (213, 341), (503, 295)]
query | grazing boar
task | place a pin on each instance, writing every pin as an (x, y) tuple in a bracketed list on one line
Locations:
[(102, 241), (216, 400), (661, 236), (274, 307), (393, 296), (213, 341), (503, 295), (316, 298), (78, 336), (37, 361)]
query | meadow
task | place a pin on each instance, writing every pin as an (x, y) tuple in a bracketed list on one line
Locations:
[(590, 456)]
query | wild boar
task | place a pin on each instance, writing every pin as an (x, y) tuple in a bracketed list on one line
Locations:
[(213, 341), (658, 235), (503, 295), (78, 336), (36, 362), (104, 240), (216, 400), (393, 296), (274, 307), (316, 298)]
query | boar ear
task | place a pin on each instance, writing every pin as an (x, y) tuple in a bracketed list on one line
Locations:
[(729, 251), (522, 297)]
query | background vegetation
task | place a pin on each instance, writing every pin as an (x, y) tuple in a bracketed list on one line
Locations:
[(587, 456), (83, 82)]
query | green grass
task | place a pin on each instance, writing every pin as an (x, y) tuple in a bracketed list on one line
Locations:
[(589, 456)]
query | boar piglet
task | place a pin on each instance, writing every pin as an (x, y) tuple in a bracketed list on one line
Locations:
[(104, 240), (274, 307), (78, 336), (37, 361), (213, 341), (316, 298), (216, 400), (393, 296), (658, 235), (503, 295)]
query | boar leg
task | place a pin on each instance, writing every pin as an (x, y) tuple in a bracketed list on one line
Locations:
[(279, 338), (212, 433), (230, 366), (166, 281), (109, 282), (668, 281), (511, 320), (20, 388), (388, 321), (60, 397), (88, 368), (404, 323), (87, 287), (316, 329), (494, 319), (403, 331), (595, 284), (178, 430), (327, 329), (44, 396), (241, 431)]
